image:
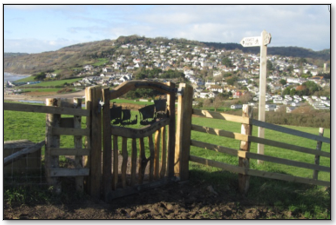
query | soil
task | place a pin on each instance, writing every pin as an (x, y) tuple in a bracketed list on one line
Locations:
[(180, 200)]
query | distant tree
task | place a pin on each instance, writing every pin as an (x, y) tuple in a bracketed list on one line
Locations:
[(218, 102), (269, 65), (227, 62), (283, 81), (40, 76), (207, 102), (231, 80)]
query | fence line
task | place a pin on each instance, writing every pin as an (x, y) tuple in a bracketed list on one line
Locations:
[(243, 137), (45, 109), (244, 154)]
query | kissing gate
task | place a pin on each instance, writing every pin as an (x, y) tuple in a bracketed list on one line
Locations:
[(110, 171)]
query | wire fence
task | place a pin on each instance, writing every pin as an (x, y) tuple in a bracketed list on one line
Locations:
[(22, 130)]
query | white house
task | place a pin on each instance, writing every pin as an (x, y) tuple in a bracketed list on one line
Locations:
[(209, 94)]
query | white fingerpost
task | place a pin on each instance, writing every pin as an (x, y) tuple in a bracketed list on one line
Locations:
[(261, 41)]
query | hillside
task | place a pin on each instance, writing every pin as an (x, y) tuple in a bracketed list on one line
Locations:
[(69, 58)]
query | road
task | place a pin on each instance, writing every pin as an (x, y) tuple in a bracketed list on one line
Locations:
[(40, 96)]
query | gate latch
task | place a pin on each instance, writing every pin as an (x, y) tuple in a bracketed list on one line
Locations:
[(179, 92), (101, 105)]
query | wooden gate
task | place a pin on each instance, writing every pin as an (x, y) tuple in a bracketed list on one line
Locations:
[(124, 174)]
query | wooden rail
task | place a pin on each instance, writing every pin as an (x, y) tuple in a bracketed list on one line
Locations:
[(45, 109), (249, 138), (26, 151), (244, 154)]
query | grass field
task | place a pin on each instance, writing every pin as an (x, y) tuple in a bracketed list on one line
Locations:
[(310, 200), (54, 83)]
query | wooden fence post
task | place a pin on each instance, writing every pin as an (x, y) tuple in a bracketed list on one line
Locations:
[(107, 145), (246, 129), (183, 132), (52, 141), (78, 145), (171, 131), (93, 95), (317, 157)]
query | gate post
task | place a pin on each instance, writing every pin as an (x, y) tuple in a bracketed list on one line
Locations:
[(52, 141), (183, 131), (244, 162), (171, 131), (92, 97)]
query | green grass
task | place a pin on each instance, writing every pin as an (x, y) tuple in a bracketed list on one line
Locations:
[(101, 61), (27, 79), (41, 89), (132, 102), (53, 83), (301, 200)]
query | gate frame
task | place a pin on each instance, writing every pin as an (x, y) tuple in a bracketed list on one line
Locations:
[(96, 97)]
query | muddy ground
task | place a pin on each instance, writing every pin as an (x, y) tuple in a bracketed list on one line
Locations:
[(185, 200)]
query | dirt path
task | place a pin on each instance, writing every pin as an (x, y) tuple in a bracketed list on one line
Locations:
[(175, 201)]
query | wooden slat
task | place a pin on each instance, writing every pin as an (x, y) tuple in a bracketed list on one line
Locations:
[(224, 116), (26, 151), (70, 131), (287, 162), (69, 151), (243, 161), (131, 85), (107, 145), (163, 153), (216, 148), (115, 162), (289, 131), (151, 158), (288, 146), (141, 132), (269, 142), (251, 155), (67, 122), (218, 132), (286, 177), (64, 172), (45, 109), (157, 154), (171, 131), (124, 162), (317, 157), (76, 123), (142, 160), (208, 162), (133, 162)]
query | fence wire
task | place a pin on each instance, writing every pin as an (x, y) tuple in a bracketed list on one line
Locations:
[(22, 130)]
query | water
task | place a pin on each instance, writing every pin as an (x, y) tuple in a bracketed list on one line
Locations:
[(13, 77)]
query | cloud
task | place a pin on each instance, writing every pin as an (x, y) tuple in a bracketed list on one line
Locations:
[(33, 45)]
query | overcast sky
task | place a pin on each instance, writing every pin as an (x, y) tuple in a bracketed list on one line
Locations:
[(39, 28)]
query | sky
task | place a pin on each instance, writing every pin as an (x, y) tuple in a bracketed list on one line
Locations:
[(40, 28)]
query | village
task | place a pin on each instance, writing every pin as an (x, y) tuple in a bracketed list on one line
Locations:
[(211, 73)]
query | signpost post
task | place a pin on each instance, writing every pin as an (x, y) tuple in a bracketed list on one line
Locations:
[(261, 41)]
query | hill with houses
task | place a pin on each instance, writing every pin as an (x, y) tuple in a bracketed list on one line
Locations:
[(213, 69)]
